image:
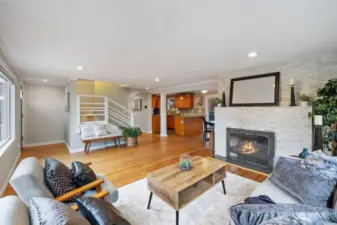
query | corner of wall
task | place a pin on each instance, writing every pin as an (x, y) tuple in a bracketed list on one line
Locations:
[(6, 182)]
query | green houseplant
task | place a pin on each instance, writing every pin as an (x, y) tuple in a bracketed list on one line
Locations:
[(218, 102), (131, 134), (305, 99), (326, 105)]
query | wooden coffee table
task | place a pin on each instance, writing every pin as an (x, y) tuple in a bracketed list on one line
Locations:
[(178, 188)]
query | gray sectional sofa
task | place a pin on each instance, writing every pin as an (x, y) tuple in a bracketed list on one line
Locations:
[(275, 193)]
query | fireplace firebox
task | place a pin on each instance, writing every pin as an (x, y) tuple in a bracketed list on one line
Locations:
[(251, 148)]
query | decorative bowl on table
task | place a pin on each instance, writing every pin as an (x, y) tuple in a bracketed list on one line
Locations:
[(185, 162)]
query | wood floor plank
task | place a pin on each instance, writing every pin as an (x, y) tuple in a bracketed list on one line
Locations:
[(128, 164)]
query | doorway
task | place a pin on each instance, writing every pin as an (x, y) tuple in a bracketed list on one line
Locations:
[(210, 106)]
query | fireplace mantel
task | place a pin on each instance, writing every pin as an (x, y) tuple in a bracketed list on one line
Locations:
[(291, 125)]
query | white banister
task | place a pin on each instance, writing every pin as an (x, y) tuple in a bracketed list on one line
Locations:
[(78, 113), (132, 122), (116, 103), (98, 106), (119, 117), (106, 108)]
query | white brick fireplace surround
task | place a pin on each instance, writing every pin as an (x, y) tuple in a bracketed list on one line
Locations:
[(291, 125)]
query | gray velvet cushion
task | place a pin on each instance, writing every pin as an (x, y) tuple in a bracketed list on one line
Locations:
[(301, 183), (59, 177), (45, 211), (13, 211), (100, 212), (82, 174), (257, 214), (28, 180)]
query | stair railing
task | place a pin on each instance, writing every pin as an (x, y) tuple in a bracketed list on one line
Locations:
[(102, 109)]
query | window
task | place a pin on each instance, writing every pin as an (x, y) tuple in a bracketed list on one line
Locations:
[(6, 109)]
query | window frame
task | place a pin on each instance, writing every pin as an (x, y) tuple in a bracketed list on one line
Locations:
[(8, 99)]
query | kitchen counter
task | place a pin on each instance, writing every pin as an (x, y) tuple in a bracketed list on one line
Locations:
[(187, 115), (188, 125), (182, 124)]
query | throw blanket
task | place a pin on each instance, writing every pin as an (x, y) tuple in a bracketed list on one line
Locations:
[(254, 214), (261, 199)]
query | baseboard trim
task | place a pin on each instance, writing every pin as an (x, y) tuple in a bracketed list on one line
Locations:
[(5, 185), (92, 148), (44, 143), (67, 145), (76, 150)]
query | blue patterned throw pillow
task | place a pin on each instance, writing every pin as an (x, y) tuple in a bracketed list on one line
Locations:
[(303, 184), (321, 165)]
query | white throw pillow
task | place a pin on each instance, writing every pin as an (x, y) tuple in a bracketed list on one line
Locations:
[(87, 131), (100, 130)]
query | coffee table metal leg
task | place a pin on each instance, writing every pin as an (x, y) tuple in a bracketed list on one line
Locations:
[(149, 204), (177, 217), (223, 186)]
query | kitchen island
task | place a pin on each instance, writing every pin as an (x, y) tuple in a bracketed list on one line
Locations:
[(188, 125), (183, 125)]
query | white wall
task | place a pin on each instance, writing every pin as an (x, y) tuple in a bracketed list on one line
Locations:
[(118, 94), (141, 117), (11, 154), (73, 139), (44, 114), (308, 76), (291, 125)]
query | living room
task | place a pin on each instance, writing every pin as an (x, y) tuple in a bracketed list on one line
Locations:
[(88, 91)]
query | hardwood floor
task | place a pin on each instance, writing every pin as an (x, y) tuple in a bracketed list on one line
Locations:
[(126, 165)]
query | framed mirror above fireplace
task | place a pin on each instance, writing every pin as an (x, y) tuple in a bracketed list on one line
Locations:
[(259, 90)]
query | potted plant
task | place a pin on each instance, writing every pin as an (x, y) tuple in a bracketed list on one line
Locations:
[(326, 105), (305, 99), (131, 134), (330, 138), (218, 102)]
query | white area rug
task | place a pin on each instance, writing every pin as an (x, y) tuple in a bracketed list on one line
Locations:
[(209, 208)]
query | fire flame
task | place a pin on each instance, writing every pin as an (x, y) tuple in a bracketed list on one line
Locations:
[(249, 148)]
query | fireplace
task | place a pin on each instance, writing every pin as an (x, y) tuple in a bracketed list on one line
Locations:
[(251, 148)]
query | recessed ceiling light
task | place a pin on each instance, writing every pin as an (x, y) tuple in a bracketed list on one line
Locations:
[(252, 55), (45, 80), (157, 80), (204, 91), (124, 85), (147, 88), (80, 67)]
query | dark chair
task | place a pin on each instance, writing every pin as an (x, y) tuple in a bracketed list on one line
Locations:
[(207, 129)]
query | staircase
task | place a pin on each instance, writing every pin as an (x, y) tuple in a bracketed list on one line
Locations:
[(102, 109)]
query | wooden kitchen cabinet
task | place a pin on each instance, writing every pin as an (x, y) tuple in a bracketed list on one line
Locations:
[(156, 124), (155, 98), (188, 126), (184, 101), (170, 122)]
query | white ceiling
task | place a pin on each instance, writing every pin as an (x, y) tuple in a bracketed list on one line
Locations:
[(179, 41)]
